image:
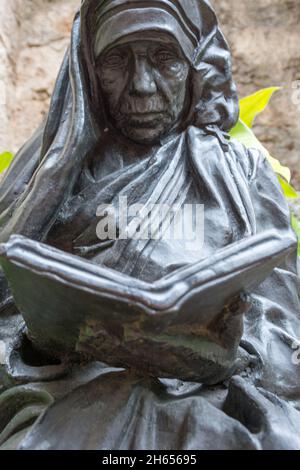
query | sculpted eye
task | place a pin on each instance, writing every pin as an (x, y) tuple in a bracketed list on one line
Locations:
[(114, 60), (165, 57)]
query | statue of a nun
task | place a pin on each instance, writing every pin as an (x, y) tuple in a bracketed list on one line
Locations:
[(141, 109)]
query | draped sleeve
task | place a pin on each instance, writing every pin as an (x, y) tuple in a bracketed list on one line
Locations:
[(272, 326)]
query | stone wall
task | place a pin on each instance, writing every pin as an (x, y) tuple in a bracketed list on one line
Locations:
[(264, 36), (9, 39)]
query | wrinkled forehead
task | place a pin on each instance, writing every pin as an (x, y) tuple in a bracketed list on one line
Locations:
[(148, 37), (117, 24)]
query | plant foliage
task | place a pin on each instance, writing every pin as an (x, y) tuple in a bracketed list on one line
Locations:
[(250, 107), (5, 160)]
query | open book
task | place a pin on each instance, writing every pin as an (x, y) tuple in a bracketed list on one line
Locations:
[(71, 304)]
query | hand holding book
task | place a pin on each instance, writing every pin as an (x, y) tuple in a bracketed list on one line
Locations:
[(186, 325)]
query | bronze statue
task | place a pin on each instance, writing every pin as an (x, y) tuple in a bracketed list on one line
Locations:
[(194, 335)]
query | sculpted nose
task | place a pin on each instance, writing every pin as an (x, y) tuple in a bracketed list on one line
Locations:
[(142, 80)]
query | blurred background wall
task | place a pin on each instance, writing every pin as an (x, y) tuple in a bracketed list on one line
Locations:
[(264, 36)]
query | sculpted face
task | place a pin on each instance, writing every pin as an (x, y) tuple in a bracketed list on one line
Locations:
[(144, 86)]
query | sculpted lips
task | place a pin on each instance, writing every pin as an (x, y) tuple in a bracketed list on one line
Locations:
[(138, 105), (144, 119), (145, 116), (143, 112)]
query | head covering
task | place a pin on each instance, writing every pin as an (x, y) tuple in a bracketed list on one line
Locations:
[(114, 19)]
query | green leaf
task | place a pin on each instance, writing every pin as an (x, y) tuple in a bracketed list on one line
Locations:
[(296, 227), (246, 136), (252, 105), (5, 160), (281, 170)]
